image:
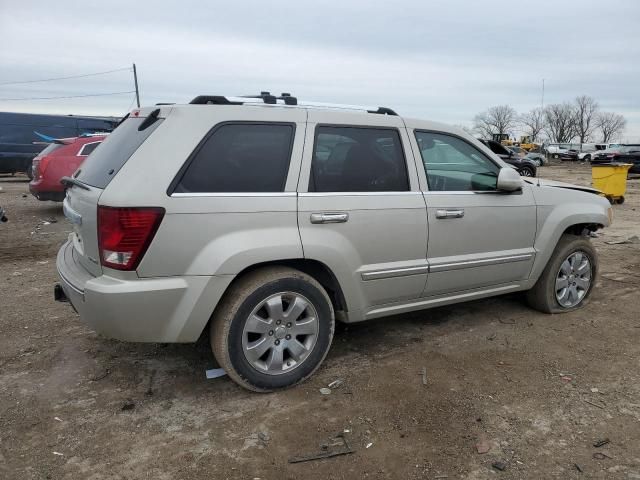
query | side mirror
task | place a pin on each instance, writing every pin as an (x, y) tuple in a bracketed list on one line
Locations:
[(509, 180)]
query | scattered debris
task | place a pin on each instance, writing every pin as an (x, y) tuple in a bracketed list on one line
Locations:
[(369, 445), (483, 446), (264, 436), (101, 376), (128, 405), (57, 419), (441, 476), (578, 467), (336, 383), (215, 373), (24, 195), (600, 456), (632, 239), (325, 391), (566, 378), (342, 447), (508, 321), (59, 454), (594, 390), (600, 443), (594, 404), (492, 336), (424, 375), (499, 466)]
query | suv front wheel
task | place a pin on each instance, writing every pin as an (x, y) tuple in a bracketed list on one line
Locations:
[(273, 328), (569, 277)]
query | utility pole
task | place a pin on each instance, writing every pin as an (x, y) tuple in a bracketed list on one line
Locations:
[(541, 103), (135, 80)]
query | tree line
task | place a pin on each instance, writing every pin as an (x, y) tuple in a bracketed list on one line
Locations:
[(580, 120)]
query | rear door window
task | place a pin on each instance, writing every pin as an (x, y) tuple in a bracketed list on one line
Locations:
[(239, 157), (356, 159), (106, 162)]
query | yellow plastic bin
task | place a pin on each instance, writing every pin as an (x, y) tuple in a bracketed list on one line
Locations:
[(611, 180)]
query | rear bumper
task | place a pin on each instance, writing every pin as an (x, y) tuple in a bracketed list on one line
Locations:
[(167, 309), (43, 190)]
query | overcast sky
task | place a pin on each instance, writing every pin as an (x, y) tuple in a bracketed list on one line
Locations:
[(439, 60)]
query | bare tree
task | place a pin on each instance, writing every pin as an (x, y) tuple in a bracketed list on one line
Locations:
[(611, 125), (499, 119), (533, 123), (560, 122), (586, 110)]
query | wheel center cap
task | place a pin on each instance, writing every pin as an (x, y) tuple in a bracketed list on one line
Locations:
[(280, 333)]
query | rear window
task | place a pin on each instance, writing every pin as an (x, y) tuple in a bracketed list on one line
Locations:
[(106, 161), (239, 157)]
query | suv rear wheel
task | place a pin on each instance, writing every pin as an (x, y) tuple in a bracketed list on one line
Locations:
[(568, 278), (273, 328)]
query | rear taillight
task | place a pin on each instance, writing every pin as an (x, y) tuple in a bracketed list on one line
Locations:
[(35, 167), (124, 234)]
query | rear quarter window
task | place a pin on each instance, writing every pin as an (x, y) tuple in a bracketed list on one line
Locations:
[(105, 162), (239, 157)]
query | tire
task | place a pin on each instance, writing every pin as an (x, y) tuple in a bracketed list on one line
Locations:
[(527, 172), (263, 293), (544, 294), (555, 156), (587, 158)]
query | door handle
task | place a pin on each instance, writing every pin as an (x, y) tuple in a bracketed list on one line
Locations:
[(450, 213), (329, 217)]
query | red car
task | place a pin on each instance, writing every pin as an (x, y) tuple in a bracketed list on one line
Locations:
[(61, 158)]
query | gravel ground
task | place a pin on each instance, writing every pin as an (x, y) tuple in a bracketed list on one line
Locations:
[(533, 391)]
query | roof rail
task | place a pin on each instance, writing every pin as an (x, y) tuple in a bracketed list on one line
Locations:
[(266, 98)]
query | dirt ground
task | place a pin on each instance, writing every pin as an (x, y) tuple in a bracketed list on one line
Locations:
[(534, 390)]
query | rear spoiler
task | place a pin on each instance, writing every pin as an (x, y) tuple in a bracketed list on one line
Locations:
[(48, 139)]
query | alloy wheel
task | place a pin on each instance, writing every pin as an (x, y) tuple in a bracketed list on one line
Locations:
[(280, 333), (573, 280)]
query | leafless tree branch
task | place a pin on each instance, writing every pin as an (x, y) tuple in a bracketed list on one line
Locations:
[(611, 125)]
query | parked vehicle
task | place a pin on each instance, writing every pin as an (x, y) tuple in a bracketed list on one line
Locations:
[(266, 223), (20, 142), (60, 159), (555, 149), (525, 166), (605, 146), (517, 150), (602, 156), (626, 154), (538, 158), (586, 152), (568, 155)]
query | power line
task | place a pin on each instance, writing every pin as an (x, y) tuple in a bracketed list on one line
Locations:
[(69, 96), (66, 78)]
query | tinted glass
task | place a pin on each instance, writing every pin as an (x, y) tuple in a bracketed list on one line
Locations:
[(88, 148), (100, 168), (452, 164), (351, 159), (240, 158)]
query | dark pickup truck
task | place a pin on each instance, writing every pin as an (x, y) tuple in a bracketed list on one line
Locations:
[(19, 142)]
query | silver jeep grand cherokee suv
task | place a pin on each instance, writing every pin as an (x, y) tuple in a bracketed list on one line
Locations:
[(265, 220)]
